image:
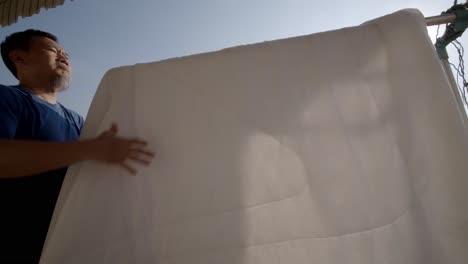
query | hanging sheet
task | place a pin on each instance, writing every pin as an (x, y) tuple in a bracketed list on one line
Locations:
[(339, 147)]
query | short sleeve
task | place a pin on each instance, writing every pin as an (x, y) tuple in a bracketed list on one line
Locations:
[(10, 110), (76, 118), (80, 122)]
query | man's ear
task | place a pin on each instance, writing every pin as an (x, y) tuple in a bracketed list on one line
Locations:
[(17, 56)]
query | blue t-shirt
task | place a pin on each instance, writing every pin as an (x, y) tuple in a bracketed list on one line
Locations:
[(27, 203), (23, 115)]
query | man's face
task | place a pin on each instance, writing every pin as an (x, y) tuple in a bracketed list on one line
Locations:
[(47, 61)]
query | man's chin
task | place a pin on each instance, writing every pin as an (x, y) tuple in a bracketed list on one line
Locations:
[(61, 83)]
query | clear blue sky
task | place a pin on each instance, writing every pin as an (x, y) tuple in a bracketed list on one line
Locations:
[(103, 34)]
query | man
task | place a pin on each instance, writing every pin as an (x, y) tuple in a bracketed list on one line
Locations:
[(39, 139)]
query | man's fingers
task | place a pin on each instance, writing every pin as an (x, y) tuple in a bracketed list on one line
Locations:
[(139, 159), (131, 170), (144, 152), (112, 131), (138, 143)]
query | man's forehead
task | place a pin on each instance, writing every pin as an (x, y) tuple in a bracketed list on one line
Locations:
[(44, 41)]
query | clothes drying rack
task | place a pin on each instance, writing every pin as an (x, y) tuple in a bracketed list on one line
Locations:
[(456, 19)]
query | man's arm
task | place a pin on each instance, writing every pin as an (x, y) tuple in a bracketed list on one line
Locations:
[(23, 158)]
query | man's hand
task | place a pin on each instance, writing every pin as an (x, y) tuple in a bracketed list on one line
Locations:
[(27, 157), (109, 148)]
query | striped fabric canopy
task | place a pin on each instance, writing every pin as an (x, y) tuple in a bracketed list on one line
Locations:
[(10, 10)]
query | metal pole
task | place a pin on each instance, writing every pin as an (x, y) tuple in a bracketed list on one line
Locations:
[(447, 17), (439, 20)]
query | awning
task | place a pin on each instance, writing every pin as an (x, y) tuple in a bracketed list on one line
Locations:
[(10, 10)]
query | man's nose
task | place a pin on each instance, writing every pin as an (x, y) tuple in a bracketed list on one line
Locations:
[(63, 57)]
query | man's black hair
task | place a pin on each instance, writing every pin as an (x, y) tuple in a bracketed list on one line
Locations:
[(21, 41)]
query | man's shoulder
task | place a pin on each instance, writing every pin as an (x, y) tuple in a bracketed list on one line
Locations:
[(7, 90), (12, 96)]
